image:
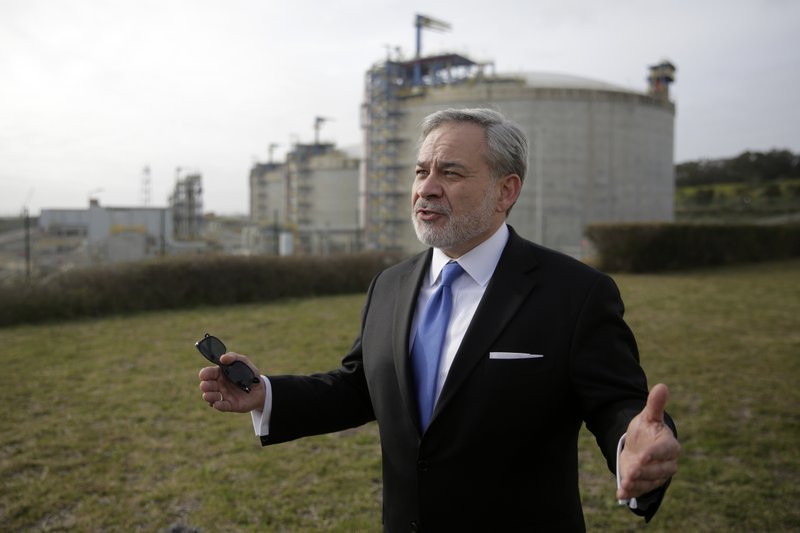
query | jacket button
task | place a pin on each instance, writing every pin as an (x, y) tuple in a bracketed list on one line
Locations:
[(423, 466), (414, 527)]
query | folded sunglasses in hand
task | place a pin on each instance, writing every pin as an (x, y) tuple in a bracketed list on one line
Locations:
[(237, 372)]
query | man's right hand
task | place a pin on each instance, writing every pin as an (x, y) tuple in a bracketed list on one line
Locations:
[(223, 395), (650, 456)]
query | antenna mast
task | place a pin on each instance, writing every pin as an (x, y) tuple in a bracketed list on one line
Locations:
[(146, 183), (318, 121), (422, 21)]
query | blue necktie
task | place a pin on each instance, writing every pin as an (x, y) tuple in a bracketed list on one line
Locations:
[(428, 341)]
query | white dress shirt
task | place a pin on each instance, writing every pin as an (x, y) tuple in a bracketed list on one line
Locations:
[(478, 264)]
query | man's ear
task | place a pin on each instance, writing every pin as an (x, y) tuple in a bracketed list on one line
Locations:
[(509, 189)]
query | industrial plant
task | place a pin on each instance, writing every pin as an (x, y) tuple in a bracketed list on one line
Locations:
[(598, 153)]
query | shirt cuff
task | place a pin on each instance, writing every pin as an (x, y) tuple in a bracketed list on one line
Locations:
[(632, 503), (261, 417)]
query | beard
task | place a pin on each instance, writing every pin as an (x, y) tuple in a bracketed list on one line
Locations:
[(457, 229)]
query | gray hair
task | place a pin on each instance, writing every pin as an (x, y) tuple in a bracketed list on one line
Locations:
[(506, 142)]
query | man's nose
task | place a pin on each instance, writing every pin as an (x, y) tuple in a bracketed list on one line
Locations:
[(429, 186)]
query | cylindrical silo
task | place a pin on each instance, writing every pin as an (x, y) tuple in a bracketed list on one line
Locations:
[(598, 152)]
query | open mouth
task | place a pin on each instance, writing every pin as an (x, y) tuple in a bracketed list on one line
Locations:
[(428, 215)]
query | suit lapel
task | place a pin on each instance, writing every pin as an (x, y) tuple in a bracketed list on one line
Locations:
[(408, 290), (511, 283)]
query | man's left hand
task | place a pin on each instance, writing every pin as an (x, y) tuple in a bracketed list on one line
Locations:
[(650, 455)]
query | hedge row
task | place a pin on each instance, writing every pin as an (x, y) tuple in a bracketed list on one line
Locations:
[(185, 282), (652, 247)]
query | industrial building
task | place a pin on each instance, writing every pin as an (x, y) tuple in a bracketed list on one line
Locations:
[(598, 152), (103, 235), (306, 205)]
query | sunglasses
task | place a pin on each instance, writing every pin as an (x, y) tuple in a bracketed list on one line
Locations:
[(237, 372)]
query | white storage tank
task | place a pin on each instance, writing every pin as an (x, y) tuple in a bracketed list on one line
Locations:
[(598, 152)]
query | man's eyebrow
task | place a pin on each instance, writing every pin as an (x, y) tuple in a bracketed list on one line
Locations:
[(444, 164)]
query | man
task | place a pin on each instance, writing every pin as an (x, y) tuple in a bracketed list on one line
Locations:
[(534, 344)]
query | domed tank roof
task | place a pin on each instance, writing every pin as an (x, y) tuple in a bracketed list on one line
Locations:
[(554, 80)]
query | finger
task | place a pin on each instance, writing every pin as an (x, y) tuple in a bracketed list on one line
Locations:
[(665, 450), (658, 472), (214, 398), (644, 478), (656, 403), (635, 488), (209, 386), (209, 373), (653, 470), (232, 357)]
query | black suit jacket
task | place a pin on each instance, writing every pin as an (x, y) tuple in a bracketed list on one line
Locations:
[(500, 453)]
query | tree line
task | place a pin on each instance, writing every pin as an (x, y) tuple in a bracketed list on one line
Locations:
[(753, 168)]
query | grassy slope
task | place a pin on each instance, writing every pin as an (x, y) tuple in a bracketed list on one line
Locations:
[(104, 429)]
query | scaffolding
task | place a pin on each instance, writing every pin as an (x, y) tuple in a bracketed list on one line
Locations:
[(389, 85), (300, 188), (260, 198)]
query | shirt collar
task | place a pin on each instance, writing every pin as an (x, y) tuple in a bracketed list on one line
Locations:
[(479, 262)]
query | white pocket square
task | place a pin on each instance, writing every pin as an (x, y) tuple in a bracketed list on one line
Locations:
[(514, 355)]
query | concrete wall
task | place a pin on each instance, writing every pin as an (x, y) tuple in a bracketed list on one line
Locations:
[(331, 201), (334, 193)]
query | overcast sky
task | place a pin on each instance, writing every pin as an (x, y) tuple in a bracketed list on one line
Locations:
[(92, 91)]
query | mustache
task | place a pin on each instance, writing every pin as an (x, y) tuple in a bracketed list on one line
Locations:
[(425, 205)]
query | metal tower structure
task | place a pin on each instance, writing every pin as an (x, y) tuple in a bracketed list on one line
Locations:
[(388, 88), (318, 122), (187, 205), (661, 75), (421, 21), (146, 186)]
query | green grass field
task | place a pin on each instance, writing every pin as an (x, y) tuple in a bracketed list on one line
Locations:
[(103, 427)]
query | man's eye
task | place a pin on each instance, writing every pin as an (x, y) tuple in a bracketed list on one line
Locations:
[(421, 172)]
